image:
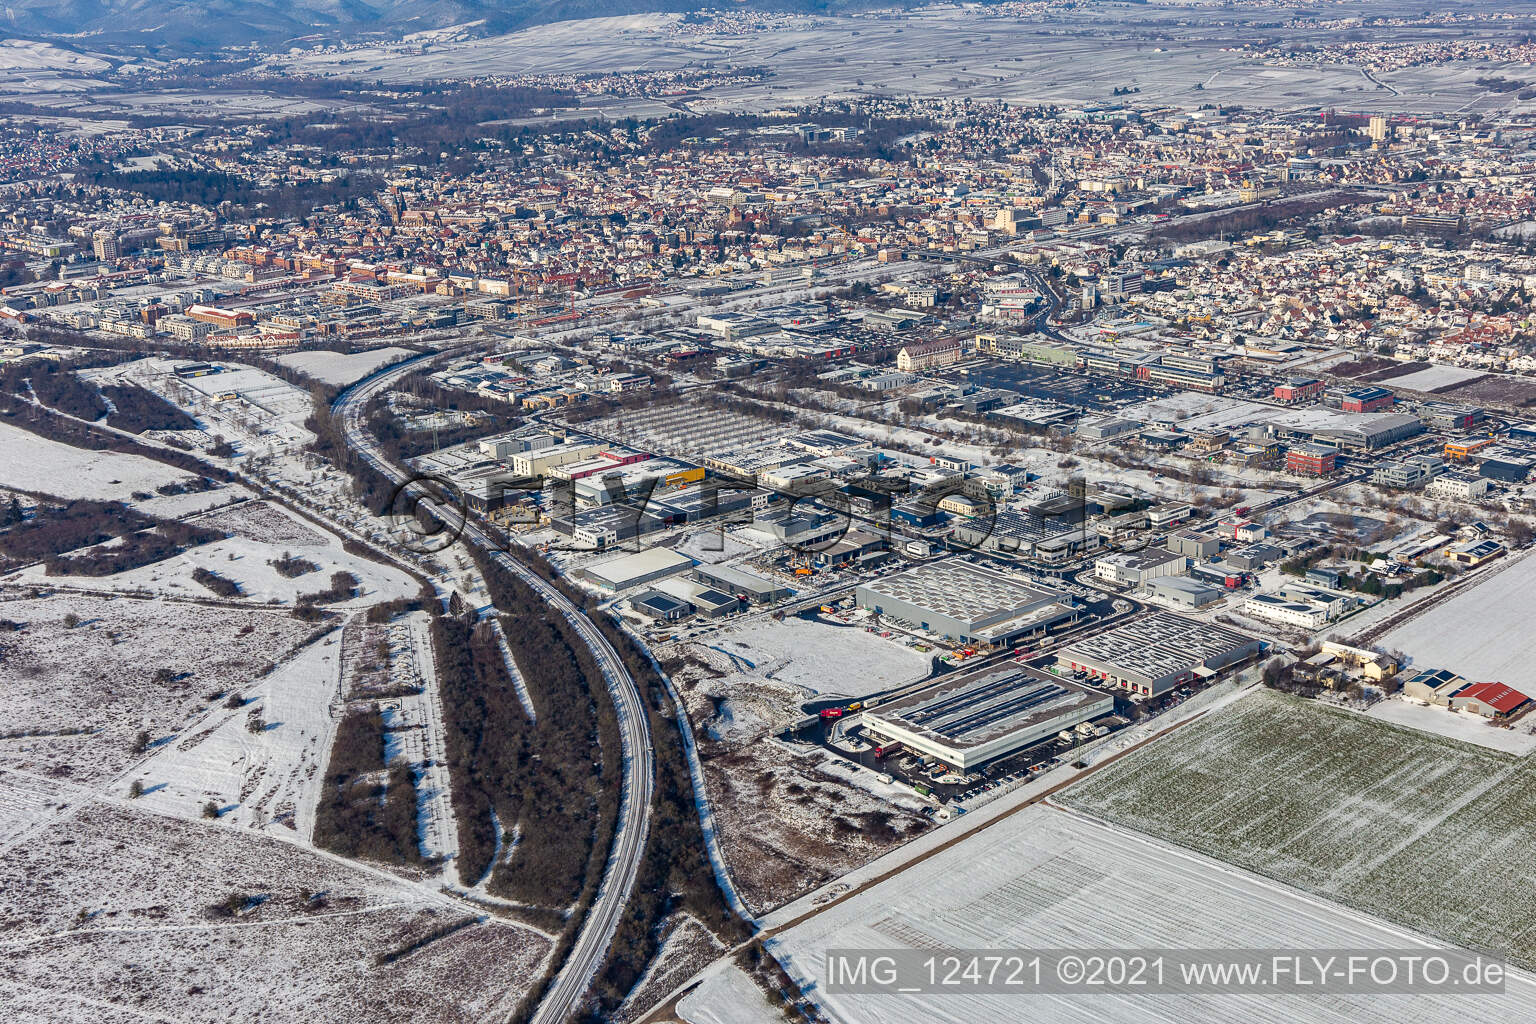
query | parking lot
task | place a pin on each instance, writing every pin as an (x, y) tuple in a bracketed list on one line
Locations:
[(1064, 387)]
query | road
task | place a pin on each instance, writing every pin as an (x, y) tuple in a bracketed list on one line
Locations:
[(638, 776)]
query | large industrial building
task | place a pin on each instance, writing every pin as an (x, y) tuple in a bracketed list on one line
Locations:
[(1153, 655), (625, 571), (973, 718), (966, 602)]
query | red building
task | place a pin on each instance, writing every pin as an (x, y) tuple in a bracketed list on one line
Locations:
[(1367, 400), (1312, 460), (1298, 389)]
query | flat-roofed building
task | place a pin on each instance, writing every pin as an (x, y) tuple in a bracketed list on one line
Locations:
[(747, 586), (1183, 592), (1133, 568), (972, 718), (632, 570), (966, 602), (1193, 544), (1151, 656)]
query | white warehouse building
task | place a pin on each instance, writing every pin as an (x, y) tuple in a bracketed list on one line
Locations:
[(1135, 568)]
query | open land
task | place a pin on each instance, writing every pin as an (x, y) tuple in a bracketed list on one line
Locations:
[(1045, 878), (1344, 807), (115, 914)]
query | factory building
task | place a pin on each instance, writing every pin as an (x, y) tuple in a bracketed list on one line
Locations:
[(1184, 593), (746, 586), (1134, 568), (1193, 544), (1151, 656), (966, 602), (632, 570), (972, 718)]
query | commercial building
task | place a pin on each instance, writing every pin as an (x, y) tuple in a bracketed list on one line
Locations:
[(1458, 487), (927, 354), (1400, 475), (1183, 592), (1134, 568), (972, 718), (1443, 416), (1298, 389), (1312, 460), (632, 570), (1506, 466), (1366, 399), (1254, 556), (966, 602), (1372, 432), (1193, 544), (1153, 655), (1297, 604), (1462, 450)]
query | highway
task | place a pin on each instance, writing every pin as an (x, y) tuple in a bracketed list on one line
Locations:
[(575, 975)]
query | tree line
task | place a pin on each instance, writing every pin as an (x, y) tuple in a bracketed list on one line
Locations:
[(367, 808)]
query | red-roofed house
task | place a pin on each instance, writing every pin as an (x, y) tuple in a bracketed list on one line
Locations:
[(1491, 700)]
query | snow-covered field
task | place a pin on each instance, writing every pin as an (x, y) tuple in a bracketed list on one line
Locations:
[(99, 676), (342, 367), (1483, 633), (114, 914), (844, 660), (248, 563), (32, 463), (1346, 807), (727, 995), (265, 779), (1049, 879), (1456, 725), (1432, 378)]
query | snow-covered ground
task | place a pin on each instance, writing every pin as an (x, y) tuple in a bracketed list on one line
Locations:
[(342, 367), (1432, 378), (267, 779), (99, 676), (843, 660), (1049, 879), (260, 413), (719, 545), (1456, 725), (726, 995), (1342, 806), (236, 925), (248, 563), (32, 463), (1483, 633)]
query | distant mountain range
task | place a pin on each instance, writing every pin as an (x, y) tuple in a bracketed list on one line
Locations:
[(171, 27)]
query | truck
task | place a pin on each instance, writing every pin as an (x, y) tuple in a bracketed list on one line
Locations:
[(831, 713)]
